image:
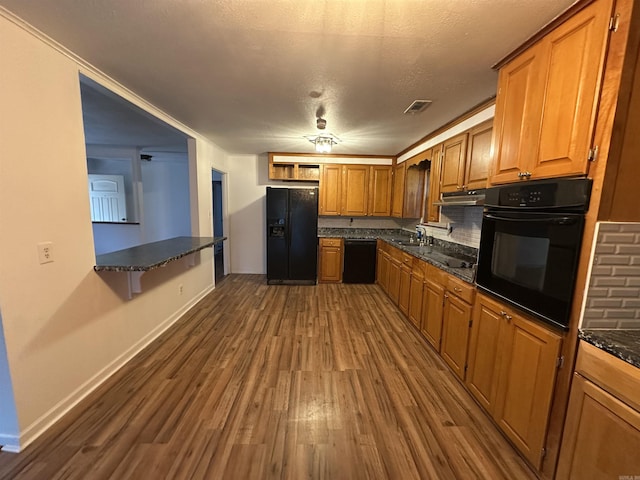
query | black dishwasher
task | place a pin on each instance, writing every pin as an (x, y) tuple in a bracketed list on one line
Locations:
[(359, 261)]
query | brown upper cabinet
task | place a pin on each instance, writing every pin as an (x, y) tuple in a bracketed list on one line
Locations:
[(454, 152), (547, 100), (397, 201), (355, 190), (408, 187), (330, 192), (380, 179), (478, 161), (294, 171), (431, 211)]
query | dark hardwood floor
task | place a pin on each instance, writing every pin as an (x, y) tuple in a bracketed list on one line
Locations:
[(258, 381)]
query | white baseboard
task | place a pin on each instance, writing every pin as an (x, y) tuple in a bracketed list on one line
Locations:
[(10, 443), (42, 424)]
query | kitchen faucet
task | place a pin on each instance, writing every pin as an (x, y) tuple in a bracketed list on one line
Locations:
[(421, 232)]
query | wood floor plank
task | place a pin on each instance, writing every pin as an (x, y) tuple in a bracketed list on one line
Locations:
[(279, 382)]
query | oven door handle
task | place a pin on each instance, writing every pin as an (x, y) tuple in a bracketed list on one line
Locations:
[(553, 220)]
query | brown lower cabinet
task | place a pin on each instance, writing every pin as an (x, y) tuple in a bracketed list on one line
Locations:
[(331, 258), (602, 430), (394, 279), (432, 308), (416, 289), (512, 369), (507, 361), (382, 266), (456, 323), (405, 283)]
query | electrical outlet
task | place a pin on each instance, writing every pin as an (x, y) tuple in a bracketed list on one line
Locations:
[(180, 289), (45, 252)]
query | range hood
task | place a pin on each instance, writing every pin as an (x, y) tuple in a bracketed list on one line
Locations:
[(471, 198)]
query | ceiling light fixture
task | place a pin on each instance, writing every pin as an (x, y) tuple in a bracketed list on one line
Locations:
[(323, 142)]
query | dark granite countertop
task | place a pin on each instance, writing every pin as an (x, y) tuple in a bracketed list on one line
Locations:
[(430, 254), (361, 233), (152, 255), (624, 344)]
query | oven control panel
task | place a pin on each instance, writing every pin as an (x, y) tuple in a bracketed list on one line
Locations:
[(557, 193), (529, 198)]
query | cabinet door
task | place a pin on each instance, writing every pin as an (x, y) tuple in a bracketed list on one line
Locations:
[(453, 160), (330, 262), (397, 200), (380, 183), (415, 297), (601, 437), (478, 156), (413, 192), (525, 386), (405, 288), (383, 275), (516, 122), (574, 54), (487, 328), (432, 303), (455, 333), (330, 190), (355, 190), (433, 211), (394, 279)]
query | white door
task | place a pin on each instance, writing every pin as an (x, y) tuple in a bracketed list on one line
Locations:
[(107, 196)]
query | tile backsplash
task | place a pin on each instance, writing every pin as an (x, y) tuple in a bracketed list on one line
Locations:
[(465, 224), (613, 295), (359, 222)]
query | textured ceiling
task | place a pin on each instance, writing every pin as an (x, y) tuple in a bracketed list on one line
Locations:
[(251, 75)]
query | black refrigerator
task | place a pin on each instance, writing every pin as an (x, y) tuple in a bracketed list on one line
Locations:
[(292, 235)]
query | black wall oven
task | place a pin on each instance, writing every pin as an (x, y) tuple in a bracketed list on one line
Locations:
[(530, 245)]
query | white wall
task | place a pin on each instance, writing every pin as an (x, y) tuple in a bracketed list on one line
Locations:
[(67, 328), (165, 199), (247, 213)]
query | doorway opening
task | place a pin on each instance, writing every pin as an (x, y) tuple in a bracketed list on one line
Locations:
[(218, 223)]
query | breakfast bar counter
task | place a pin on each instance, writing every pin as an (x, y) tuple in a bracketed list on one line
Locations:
[(152, 255), (135, 261)]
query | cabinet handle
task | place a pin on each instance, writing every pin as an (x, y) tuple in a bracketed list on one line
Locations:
[(458, 187), (508, 317), (446, 296), (502, 313)]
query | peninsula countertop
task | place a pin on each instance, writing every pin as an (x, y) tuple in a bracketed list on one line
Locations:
[(152, 255)]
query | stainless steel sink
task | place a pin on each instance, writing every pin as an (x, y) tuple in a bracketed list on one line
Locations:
[(434, 254)]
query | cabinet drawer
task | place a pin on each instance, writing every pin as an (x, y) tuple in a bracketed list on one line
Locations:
[(432, 272), (460, 288), (418, 267), (330, 242), (396, 253), (407, 259)]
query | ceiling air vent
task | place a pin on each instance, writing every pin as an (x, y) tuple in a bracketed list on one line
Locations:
[(417, 106)]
